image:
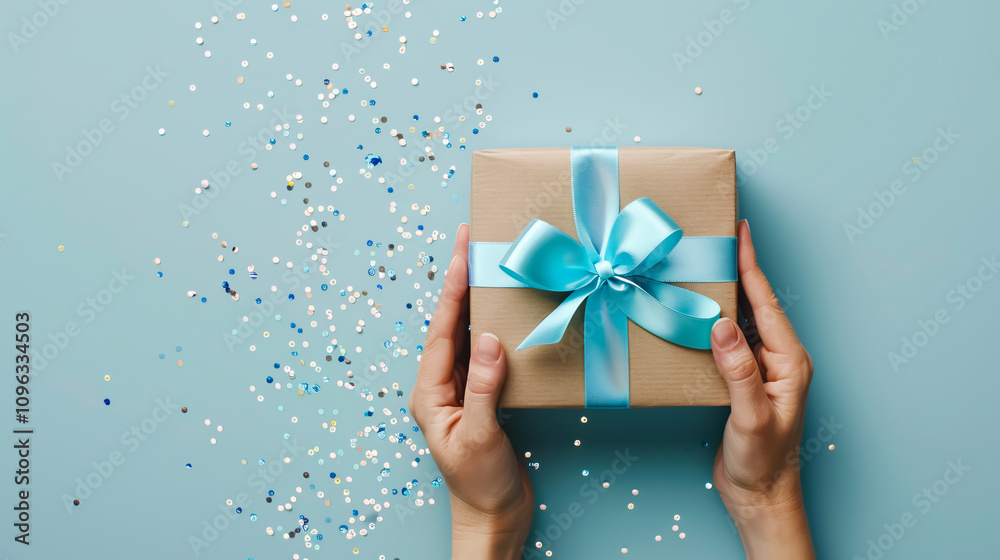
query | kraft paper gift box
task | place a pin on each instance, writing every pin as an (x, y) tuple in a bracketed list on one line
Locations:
[(696, 187)]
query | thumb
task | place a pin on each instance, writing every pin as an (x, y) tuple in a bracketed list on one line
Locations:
[(739, 368), (487, 371)]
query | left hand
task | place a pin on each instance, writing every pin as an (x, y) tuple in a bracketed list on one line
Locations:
[(454, 402), (757, 466)]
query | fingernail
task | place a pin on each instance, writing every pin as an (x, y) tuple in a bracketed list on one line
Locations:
[(724, 333), (450, 264), (489, 348), (747, 222)]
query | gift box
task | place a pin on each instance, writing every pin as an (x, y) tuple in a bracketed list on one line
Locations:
[(522, 197)]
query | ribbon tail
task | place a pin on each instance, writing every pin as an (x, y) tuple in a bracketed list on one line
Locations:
[(553, 326), (670, 312), (605, 352)]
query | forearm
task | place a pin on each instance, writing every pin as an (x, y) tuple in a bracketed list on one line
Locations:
[(769, 535)]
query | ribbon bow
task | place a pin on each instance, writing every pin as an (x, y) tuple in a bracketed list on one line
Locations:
[(620, 266)]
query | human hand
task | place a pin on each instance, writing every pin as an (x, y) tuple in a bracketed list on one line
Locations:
[(757, 466), (454, 402)]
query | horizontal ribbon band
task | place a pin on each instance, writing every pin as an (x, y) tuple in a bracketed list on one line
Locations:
[(685, 263)]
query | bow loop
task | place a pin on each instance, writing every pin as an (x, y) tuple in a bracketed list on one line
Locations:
[(546, 258), (640, 237)]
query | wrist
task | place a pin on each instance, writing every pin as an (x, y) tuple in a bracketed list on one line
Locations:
[(488, 536), (483, 545), (774, 531)]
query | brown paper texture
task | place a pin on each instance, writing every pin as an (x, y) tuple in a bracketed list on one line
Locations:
[(510, 187)]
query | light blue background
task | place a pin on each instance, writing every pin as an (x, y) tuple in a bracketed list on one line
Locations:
[(850, 299)]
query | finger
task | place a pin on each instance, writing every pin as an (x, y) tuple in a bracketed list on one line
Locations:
[(795, 369), (736, 362), (772, 324), (487, 371), (456, 284), (745, 320), (460, 367), (461, 337), (757, 350), (438, 358)]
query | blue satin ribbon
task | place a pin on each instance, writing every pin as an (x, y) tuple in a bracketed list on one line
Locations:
[(621, 267)]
